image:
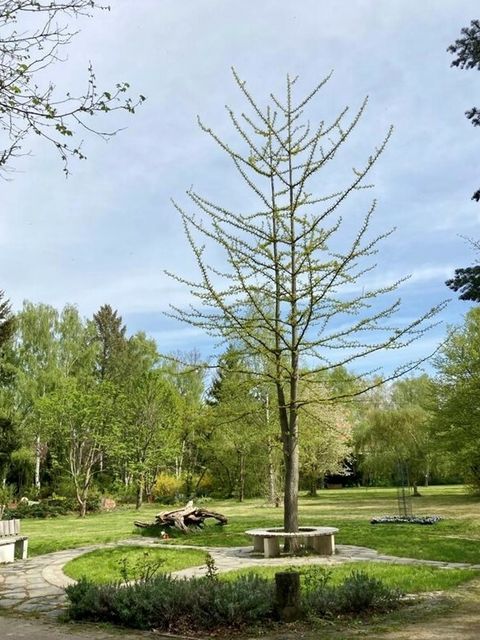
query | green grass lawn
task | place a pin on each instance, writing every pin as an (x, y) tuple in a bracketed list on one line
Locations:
[(409, 579), (456, 538), (105, 565)]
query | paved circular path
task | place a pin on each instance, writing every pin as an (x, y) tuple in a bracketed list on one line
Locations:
[(36, 585)]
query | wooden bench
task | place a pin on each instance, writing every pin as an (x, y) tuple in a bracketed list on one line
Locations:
[(12, 544), (321, 540)]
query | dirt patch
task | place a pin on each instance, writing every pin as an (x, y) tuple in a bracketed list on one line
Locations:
[(462, 622), (23, 628), (453, 617)]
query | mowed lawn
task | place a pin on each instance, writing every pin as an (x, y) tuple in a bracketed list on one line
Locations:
[(456, 538)]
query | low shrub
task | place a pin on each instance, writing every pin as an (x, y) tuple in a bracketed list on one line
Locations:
[(205, 604), (358, 593), (51, 507), (41, 510), (165, 603), (124, 494), (167, 487)]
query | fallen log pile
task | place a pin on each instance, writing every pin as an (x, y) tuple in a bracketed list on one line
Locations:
[(183, 519)]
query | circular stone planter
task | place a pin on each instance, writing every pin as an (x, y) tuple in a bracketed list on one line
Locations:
[(321, 540)]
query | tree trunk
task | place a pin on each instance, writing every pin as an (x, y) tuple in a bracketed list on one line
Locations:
[(38, 452), (139, 497), (272, 484), (82, 503), (179, 462), (427, 474), (188, 483), (199, 481), (241, 476), (291, 459), (416, 493), (290, 500), (313, 486)]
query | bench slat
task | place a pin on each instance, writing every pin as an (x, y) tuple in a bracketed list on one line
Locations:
[(9, 528)]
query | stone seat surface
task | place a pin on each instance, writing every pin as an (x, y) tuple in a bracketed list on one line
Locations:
[(303, 532)]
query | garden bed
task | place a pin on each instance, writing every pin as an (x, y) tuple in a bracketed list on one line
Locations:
[(405, 520)]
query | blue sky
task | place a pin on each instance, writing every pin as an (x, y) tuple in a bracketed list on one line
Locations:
[(107, 233)]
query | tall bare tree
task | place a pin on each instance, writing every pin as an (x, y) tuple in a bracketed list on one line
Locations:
[(281, 290)]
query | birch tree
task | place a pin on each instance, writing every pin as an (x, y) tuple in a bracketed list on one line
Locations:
[(292, 286), (85, 420)]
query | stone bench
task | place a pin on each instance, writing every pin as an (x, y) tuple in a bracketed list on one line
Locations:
[(321, 540), (12, 544)]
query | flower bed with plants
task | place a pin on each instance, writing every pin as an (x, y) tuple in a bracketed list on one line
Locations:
[(405, 520), (164, 603)]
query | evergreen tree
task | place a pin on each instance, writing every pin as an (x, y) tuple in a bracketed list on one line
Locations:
[(6, 320), (236, 416), (109, 332), (467, 56), (467, 280)]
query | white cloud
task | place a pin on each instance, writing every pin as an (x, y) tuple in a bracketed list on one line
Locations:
[(107, 233)]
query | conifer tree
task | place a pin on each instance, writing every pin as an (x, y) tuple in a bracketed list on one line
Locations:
[(110, 334), (6, 320), (292, 288), (467, 56)]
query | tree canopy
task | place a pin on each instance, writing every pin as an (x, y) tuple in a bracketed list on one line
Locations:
[(457, 423), (466, 50), (467, 280)]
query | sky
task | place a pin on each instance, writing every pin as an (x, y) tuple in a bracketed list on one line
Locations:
[(108, 232)]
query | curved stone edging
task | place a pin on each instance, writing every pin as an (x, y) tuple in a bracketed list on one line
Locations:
[(36, 585)]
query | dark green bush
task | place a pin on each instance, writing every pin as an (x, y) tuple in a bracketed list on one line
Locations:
[(51, 507), (358, 593), (206, 604), (165, 603), (41, 510)]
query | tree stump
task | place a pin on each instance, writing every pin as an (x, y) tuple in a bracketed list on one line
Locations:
[(287, 595)]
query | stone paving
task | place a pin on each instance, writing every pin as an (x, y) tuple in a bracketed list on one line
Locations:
[(36, 585)]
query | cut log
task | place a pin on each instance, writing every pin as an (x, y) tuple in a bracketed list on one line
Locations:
[(183, 519)]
